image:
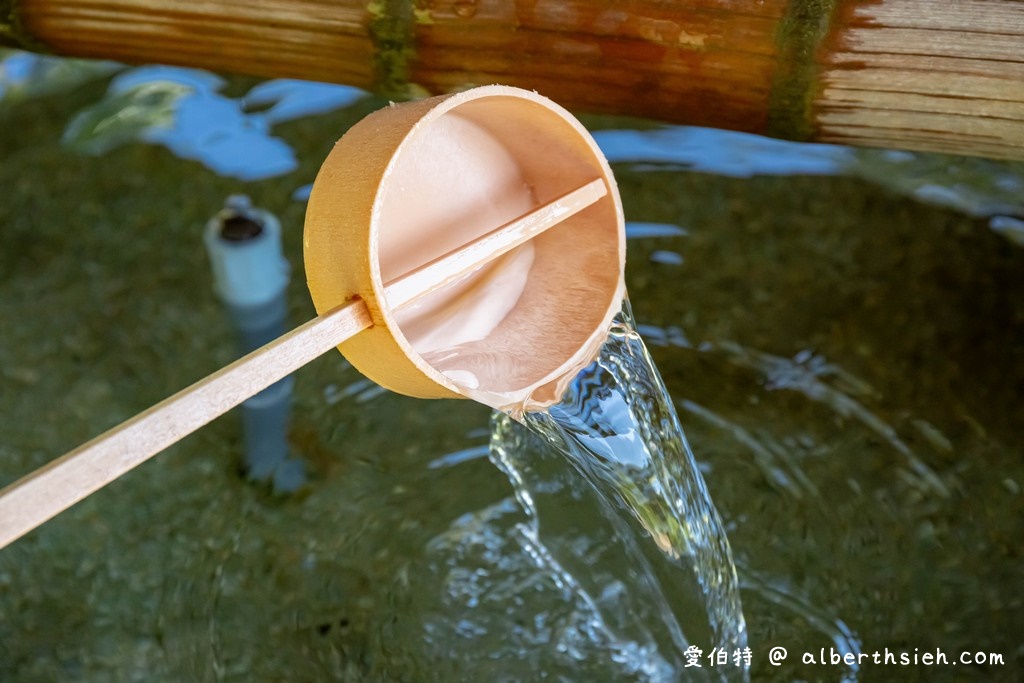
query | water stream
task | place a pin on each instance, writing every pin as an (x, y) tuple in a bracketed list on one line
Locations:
[(614, 452)]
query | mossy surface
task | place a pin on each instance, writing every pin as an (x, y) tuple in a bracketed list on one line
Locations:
[(392, 31), (12, 31), (799, 37)]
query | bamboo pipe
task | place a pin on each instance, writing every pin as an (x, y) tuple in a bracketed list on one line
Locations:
[(935, 75)]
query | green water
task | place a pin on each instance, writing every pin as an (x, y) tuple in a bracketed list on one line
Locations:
[(846, 362)]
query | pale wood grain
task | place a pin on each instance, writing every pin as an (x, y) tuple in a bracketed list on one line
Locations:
[(41, 495), (453, 265), (34, 499), (929, 75)]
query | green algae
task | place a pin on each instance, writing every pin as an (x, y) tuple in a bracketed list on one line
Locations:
[(392, 30), (12, 29), (794, 84)]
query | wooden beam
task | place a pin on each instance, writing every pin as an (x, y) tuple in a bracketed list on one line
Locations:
[(937, 75), (925, 75)]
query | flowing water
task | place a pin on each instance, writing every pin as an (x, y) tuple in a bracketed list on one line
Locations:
[(619, 429), (630, 463)]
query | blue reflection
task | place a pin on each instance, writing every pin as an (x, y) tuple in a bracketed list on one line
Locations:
[(24, 75), (301, 194), (722, 152), (212, 129), (1009, 227), (665, 257), (637, 230), (291, 99), (183, 110), (16, 69), (146, 75)]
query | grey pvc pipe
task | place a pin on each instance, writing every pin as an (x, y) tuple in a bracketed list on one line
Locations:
[(251, 279)]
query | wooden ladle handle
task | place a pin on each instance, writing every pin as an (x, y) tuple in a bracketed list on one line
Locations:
[(53, 488), (58, 485)]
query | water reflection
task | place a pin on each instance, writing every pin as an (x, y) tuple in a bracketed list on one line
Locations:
[(824, 383), (784, 598), (509, 606), (977, 187), (816, 379), (666, 257), (640, 230), (184, 110), (1009, 227), (777, 463), (24, 75), (727, 153)]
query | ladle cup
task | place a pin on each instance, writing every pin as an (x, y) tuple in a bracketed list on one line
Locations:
[(414, 182), (470, 245)]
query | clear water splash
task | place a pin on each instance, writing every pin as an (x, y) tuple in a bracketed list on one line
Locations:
[(617, 427), (512, 591)]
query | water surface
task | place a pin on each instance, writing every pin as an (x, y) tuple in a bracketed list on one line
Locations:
[(845, 359)]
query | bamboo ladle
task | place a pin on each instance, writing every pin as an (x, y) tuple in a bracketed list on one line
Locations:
[(470, 245)]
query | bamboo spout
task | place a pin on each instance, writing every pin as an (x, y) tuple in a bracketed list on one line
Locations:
[(917, 74)]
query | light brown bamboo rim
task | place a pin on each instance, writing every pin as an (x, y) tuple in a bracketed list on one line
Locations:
[(936, 75)]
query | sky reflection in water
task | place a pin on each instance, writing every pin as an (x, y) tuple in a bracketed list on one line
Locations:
[(185, 111)]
